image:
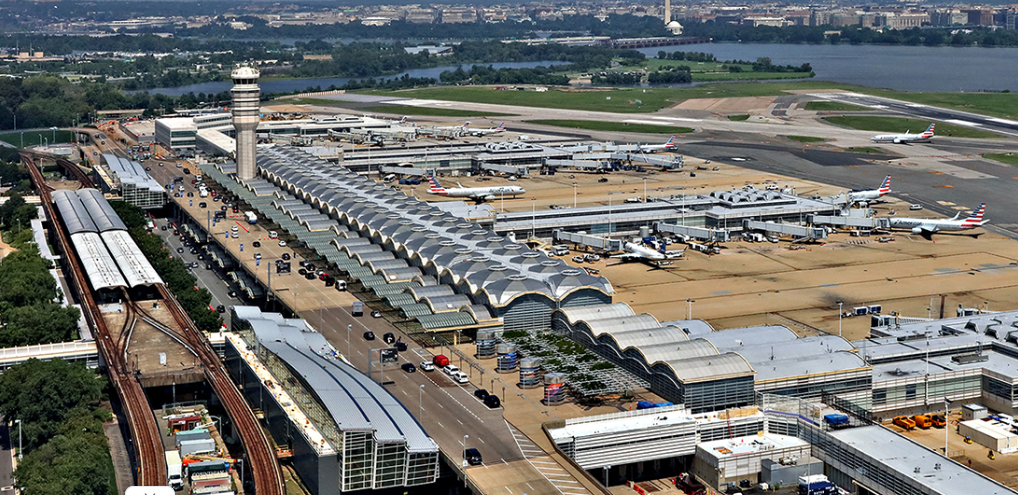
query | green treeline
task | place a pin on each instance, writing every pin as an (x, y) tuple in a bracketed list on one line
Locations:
[(479, 74), (172, 269), (47, 101), (66, 450), (30, 299)]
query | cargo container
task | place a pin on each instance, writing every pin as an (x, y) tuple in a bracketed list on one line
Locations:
[(440, 361)]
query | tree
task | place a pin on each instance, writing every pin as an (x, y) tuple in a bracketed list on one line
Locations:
[(43, 394)]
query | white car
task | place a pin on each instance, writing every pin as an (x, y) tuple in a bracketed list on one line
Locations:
[(915, 206), (578, 259), (451, 370), (282, 243), (426, 366), (461, 377)]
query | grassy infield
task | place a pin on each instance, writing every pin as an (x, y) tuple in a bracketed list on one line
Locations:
[(643, 100)]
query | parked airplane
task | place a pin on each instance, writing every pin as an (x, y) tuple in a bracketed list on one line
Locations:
[(642, 252), (478, 194), (862, 195), (484, 132), (927, 226), (906, 138), (655, 147)]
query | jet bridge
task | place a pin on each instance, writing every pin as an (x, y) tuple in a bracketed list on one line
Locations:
[(593, 241), (698, 233), (850, 222), (797, 231)]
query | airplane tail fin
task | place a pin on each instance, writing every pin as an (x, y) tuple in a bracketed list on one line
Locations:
[(501, 127), (885, 187), (465, 125), (671, 142), (435, 188), (976, 217), (929, 131), (403, 120)]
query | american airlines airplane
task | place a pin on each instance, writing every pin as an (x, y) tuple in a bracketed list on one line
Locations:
[(655, 147), (642, 252), (859, 196), (906, 138), (927, 226), (478, 194), (484, 132)]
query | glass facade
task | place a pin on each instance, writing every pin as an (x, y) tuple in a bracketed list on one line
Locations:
[(358, 450)]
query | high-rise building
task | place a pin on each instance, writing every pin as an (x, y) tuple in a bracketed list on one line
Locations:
[(246, 108)]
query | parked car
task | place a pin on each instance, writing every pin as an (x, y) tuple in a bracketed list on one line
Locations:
[(426, 366), (473, 457), (461, 377), (492, 401), (286, 256), (376, 314), (282, 243), (369, 335), (401, 346), (449, 369), (180, 250), (220, 309), (578, 259), (409, 367), (256, 244), (915, 206), (389, 337), (480, 393)]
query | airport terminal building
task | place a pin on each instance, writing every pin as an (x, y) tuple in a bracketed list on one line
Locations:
[(347, 433)]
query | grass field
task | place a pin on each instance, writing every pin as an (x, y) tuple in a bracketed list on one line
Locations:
[(597, 125), (866, 149), (900, 125), (431, 112), (36, 137), (806, 139), (738, 118), (1003, 105), (1008, 158), (834, 106), (619, 100), (712, 71)]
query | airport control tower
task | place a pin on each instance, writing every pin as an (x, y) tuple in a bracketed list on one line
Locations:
[(246, 108)]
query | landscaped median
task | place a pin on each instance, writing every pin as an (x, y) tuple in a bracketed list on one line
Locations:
[(597, 125), (899, 125)]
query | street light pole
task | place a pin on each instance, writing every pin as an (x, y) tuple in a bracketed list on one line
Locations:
[(349, 343), (644, 189), (947, 416), (20, 448), (241, 462), (689, 309), (321, 319), (574, 195), (463, 443), (840, 304), (420, 404)]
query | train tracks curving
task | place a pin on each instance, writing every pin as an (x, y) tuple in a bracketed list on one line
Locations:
[(261, 458), (148, 449)]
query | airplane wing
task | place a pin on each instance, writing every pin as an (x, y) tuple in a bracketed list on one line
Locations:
[(926, 227), (627, 256)]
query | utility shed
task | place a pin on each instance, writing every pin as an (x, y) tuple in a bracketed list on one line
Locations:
[(994, 437)]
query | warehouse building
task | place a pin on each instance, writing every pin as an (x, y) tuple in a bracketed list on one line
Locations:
[(128, 180), (347, 432), (637, 444), (689, 363), (917, 365)]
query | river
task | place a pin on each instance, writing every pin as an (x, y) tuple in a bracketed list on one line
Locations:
[(291, 85), (903, 68)]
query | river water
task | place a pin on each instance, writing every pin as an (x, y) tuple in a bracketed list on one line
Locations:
[(903, 68), (291, 85)]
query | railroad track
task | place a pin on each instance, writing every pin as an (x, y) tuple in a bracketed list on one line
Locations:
[(147, 441), (261, 459)]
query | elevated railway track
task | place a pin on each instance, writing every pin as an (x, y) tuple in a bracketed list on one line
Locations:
[(147, 440)]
